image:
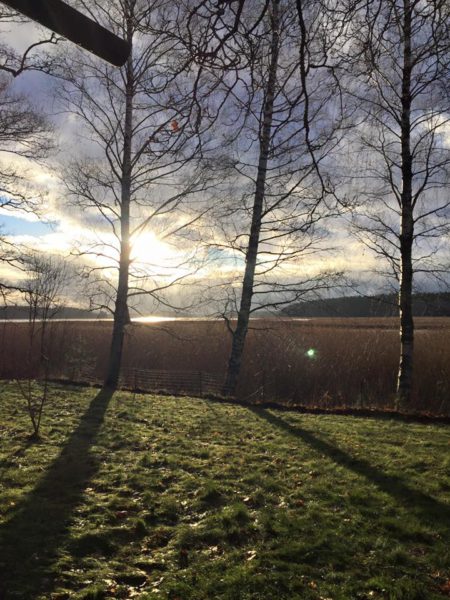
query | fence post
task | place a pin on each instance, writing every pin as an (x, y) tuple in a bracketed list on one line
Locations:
[(134, 384), (360, 400), (200, 383)]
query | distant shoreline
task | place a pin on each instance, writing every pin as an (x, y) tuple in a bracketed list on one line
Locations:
[(152, 319), (422, 324)]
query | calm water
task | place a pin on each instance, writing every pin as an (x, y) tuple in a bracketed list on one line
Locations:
[(151, 319)]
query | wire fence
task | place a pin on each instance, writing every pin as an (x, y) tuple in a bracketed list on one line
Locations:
[(198, 383), (175, 382)]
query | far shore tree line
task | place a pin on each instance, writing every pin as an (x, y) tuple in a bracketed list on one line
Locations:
[(246, 133)]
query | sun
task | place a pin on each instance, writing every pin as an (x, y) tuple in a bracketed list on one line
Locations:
[(147, 249)]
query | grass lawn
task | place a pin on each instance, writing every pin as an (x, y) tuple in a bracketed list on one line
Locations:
[(181, 499)]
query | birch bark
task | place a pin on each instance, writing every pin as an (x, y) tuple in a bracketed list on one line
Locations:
[(240, 332)]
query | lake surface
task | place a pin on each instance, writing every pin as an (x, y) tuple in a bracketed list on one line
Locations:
[(153, 319)]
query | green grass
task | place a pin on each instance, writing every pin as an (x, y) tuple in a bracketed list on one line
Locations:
[(168, 498)]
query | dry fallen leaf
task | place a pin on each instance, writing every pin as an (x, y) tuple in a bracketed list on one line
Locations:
[(251, 554), (445, 587)]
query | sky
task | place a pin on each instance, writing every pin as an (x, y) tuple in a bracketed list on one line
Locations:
[(63, 230)]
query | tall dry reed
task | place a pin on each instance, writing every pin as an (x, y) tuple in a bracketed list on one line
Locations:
[(321, 362)]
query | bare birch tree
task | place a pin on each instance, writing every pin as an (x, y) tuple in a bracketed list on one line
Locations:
[(400, 82), (141, 121), (25, 132), (24, 139), (275, 154), (46, 278)]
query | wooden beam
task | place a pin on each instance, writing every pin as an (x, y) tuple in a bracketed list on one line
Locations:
[(76, 27)]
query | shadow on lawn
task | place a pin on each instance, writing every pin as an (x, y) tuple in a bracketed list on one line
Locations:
[(422, 506), (29, 541)]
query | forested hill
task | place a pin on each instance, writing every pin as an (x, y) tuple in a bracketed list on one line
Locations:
[(68, 312), (383, 305)]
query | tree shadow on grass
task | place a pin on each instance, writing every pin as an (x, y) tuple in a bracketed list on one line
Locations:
[(30, 539), (424, 507)]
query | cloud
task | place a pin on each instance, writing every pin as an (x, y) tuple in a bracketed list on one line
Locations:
[(75, 229)]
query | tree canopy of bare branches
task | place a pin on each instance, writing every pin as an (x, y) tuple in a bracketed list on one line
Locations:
[(399, 80), (141, 121), (277, 122)]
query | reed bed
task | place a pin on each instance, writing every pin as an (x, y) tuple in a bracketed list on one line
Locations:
[(327, 363)]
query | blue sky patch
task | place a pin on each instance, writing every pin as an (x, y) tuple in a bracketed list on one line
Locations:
[(17, 226)]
